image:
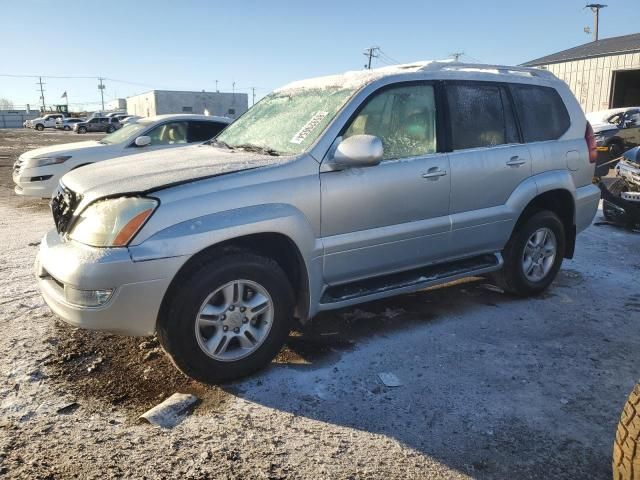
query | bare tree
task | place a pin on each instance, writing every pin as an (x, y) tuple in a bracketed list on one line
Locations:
[(6, 104)]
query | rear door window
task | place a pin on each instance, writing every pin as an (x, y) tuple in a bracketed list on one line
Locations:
[(480, 115), (203, 131), (541, 111)]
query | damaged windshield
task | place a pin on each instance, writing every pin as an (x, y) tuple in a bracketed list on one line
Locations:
[(285, 122)]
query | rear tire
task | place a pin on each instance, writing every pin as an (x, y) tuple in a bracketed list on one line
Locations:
[(626, 452), (110, 129), (212, 347), (533, 255)]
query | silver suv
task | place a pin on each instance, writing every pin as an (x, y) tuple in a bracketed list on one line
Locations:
[(328, 193)]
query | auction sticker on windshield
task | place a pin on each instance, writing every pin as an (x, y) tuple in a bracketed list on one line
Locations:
[(308, 127)]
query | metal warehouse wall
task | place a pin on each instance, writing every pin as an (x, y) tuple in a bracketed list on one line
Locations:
[(160, 102), (590, 79), (15, 120)]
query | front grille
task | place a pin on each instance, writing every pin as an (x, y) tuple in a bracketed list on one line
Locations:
[(63, 204)]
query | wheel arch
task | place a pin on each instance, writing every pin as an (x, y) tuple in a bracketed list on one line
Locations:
[(561, 202), (275, 245)]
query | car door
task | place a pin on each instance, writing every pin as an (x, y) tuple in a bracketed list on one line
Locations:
[(487, 162), (392, 216)]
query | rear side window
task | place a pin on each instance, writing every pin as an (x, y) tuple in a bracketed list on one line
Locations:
[(203, 131), (541, 111), (480, 115)]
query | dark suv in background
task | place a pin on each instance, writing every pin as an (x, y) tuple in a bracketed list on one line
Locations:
[(98, 124)]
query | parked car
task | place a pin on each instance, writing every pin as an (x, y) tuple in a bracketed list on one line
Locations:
[(616, 131), (130, 119), (621, 194), (97, 124), (46, 121), (67, 123), (36, 173), (327, 193)]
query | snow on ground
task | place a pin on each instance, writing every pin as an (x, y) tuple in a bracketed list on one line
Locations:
[(492, 386)]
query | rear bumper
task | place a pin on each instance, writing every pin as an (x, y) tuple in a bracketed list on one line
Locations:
[(587, 200), (138, 287)]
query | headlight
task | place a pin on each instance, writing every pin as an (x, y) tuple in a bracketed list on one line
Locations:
[(113, 222), (43, 161)]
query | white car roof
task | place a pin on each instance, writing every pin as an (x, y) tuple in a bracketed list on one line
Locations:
[(185, 116)]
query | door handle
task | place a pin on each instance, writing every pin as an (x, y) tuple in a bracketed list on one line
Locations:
[(516, 161), (434, 172)]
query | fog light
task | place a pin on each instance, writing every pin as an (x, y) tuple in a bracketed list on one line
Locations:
[(86, 298)]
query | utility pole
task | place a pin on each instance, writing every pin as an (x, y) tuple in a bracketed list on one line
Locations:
[(101, 87), (44, 108), (371, 53), (595, 8), (253, 93), (456, 55), (217, 86)]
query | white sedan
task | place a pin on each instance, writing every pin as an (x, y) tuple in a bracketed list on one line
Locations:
[(36, 173)]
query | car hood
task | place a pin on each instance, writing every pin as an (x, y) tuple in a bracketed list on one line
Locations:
[(71, 148), (161, 168), (603, 127)]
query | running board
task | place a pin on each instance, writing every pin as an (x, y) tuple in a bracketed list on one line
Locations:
[(339, 296)]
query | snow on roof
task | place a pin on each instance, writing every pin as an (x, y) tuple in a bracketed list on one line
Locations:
[(359, 78), (353, 79)]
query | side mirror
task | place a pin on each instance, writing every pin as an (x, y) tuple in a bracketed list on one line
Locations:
[(142, 141), (358, 151)]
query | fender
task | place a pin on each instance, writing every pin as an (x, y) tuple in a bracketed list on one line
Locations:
[(187, 238)]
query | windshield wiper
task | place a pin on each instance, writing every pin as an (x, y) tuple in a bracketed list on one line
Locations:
[(217, 143), (249, 147)]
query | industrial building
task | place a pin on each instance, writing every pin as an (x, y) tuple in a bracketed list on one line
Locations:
[(602, 74), (160, 102), (117, 104)]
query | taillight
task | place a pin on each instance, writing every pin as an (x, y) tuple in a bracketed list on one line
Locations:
[(591, 144)]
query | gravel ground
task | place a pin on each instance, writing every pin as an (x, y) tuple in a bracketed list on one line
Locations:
[(493, 387)]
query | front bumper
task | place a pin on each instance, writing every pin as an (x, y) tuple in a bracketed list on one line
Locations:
[(38, 189), (138, 287)]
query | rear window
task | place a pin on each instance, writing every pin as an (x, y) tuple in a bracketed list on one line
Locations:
[(541, 111), (481, 116)]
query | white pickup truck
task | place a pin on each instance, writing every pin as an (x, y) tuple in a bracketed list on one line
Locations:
[(46, 121)]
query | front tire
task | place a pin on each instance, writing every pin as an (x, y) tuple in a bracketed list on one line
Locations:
[(626, 447), (110, 129), (533, 255), (227, 317), (39, 127), (82, 129), (66, 128)]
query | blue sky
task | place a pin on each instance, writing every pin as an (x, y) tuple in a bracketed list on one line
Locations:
[(188, 44)]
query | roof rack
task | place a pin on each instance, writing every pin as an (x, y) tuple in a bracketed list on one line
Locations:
[(440, 65)]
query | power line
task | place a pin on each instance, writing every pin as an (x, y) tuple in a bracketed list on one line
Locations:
[(389, 58)]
